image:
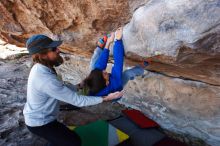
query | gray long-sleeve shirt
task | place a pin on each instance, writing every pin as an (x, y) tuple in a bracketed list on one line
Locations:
[(44, 91)]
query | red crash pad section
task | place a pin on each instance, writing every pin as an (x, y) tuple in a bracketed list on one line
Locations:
[(140, 119)]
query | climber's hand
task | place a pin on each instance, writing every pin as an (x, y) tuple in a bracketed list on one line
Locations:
[(80, 85), (113, 96), (110, 40), (118, 33)]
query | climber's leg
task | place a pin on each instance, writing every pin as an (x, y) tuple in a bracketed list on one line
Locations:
[(100, 46), (130, 74), (95, 56)]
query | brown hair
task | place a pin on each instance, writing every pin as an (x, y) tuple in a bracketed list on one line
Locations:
[(95, 81), (38, 58)]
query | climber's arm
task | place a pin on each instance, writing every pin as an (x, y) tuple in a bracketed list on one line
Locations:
[(103, 58)]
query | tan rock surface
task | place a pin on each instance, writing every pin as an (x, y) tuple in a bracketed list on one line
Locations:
[(184, 97)]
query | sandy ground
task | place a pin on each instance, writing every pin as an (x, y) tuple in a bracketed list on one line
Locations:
[(13, 80)]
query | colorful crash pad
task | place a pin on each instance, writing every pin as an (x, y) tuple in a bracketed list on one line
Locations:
[(138, 136), (99, 133), (140, 119)]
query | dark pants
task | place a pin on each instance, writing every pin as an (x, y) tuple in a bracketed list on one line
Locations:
[(57, 134)]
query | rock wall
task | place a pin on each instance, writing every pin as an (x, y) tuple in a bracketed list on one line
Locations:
[(179, 105), (186, 34), (167, 25), (77, 23), (181, 89)]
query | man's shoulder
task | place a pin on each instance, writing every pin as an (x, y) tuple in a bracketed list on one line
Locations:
[(41, 70), (39, 73)]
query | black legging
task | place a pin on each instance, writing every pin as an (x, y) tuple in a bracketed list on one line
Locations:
[(57, 134)]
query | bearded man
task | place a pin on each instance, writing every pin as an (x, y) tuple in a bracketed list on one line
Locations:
[(45, 90)]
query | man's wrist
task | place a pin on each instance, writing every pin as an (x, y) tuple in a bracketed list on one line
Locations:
[(104, 99)]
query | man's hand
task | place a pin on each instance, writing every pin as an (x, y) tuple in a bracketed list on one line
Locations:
[(113, 96), (80, 85), (118, 33), (110, 40)]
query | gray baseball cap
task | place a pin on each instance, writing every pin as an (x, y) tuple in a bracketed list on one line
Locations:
[(39, 42)]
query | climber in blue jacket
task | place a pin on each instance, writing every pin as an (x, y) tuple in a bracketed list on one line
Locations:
[(99, 82)]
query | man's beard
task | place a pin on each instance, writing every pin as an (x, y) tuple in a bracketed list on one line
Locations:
[(56, 62)]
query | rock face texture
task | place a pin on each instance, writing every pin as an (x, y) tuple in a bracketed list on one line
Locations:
[(181, 90), (166, 26), (186, 33), (77, 23), (194, 104)]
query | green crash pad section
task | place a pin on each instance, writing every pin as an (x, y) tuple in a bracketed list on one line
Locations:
[(99, 133)]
